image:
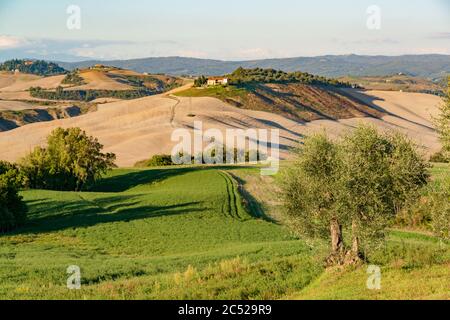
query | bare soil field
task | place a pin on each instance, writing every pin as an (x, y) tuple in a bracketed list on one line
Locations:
[(137, 129)]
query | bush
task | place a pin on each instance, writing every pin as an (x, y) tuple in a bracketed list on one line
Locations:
[(439, 157), (73, 78), (12, 209), (71, 160), (160, 160)]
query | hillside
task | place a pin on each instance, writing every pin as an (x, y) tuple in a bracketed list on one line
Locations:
[(137, 129), (297, 102), (27, 98), (430, 66), (398, 82)]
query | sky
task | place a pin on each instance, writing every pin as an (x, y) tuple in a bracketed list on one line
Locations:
[(226, 30)]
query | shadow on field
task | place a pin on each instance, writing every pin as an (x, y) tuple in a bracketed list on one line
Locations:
[(124, 182), (61, 215)]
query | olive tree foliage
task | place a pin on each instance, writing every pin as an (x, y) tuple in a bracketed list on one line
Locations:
[(381, 173), (310, 192), (443, 124), (12, 209), (440, 199), (71, 160), (439, 205), (355, 185)]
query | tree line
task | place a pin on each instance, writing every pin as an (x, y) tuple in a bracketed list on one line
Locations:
[(37, 67), (260, 75), (88, 95)]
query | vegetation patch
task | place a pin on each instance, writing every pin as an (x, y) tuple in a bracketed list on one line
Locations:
[(37, 67)]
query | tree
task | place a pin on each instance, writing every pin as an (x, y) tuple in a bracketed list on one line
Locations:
[(380, 174), (200, 81), (443, 124), (71, 160), (310, 191), (355, 185), (12, 209)]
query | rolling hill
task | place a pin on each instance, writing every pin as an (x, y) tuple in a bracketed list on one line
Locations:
[(137, 129), (431, 66), (21, 103), (398, 82)]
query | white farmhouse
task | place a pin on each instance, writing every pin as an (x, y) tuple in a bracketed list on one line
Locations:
[(216, 81)]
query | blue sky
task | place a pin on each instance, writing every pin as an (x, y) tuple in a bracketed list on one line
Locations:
[(229, 29)]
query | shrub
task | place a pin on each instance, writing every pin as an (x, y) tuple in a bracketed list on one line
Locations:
[(12, 209), (160, 160), (439, 157), (73, 78)]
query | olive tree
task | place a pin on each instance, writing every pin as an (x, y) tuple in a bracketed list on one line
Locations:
[(355, 185), (310, 191), (380, 174), (443, 124)]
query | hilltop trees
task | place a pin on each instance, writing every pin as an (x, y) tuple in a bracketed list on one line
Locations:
[(12, 209), (258, 75), (38, 67), (71, 160), (354, 186)]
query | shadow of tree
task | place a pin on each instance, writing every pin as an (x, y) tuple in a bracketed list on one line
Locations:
[(62, 215), (124, 182)]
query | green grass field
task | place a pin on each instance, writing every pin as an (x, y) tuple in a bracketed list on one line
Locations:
[(184, 233)]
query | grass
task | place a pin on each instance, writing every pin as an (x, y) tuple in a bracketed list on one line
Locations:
[(413, 266), (187, 233), (145, 234)]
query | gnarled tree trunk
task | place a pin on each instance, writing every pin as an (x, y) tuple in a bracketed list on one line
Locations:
[(354, 256), (337, 245)]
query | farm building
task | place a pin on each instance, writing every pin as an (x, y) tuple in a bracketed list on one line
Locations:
[(215, 81)]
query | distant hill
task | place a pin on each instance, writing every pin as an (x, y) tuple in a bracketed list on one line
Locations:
[(431, 66), (398, 82), (37, 67)]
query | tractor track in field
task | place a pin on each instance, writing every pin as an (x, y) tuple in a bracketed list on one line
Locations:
[(230, 208)]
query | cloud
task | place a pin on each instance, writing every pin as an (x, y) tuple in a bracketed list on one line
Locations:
[(76, 49), (367, 41), (9, 42), (440, 35)]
